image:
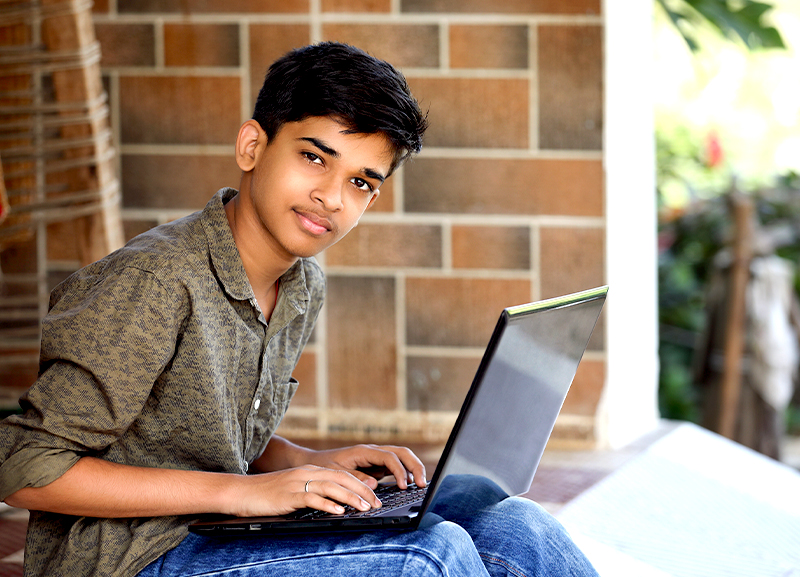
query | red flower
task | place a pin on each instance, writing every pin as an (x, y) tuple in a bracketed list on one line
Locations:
[(714, 154)]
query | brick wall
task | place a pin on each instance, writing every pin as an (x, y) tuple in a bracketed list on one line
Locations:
[(505, 204)]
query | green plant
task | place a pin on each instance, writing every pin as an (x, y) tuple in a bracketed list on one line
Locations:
[(689, 240), (738, 20)]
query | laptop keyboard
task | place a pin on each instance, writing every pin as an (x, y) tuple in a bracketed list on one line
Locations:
[(391, 496)]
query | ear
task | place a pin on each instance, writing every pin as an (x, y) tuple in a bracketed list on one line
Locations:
[(248, 144)]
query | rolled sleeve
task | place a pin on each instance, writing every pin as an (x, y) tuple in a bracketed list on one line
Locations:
[(104, 343), (34, 467)]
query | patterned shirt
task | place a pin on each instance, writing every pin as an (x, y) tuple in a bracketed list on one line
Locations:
[(158, 356)]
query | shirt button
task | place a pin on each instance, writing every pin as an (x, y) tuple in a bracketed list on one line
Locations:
[(257, 404)]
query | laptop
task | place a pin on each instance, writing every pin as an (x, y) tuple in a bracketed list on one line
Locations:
[(501, 431)]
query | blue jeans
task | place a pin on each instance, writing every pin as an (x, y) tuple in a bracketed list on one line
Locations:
[(476, 531)]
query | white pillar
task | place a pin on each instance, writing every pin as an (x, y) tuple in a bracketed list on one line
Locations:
[(629, 407)]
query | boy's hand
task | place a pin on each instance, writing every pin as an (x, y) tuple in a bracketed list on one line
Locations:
[(282, 492), (370, 463), (337, 476)]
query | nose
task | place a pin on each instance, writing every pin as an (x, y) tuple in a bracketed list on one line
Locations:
[(328, 192)]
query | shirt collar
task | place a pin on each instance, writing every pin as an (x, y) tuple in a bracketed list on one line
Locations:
[(227, 263)]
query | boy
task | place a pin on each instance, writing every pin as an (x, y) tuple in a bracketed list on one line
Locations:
[(166, 367)]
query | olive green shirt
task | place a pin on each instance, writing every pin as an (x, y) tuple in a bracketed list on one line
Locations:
[(157, 356)]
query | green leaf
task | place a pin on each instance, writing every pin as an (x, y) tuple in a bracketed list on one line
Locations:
[(746, 22)]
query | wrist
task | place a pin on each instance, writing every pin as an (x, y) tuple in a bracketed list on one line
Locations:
[(225, 497)]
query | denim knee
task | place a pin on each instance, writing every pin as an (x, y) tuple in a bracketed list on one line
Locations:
[(542, 545), (449, 549)]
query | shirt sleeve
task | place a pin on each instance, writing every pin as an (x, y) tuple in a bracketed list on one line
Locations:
[(105, 341)]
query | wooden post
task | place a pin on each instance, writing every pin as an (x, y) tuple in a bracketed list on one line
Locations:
[(100, 232), (3, 198), (739, 276)]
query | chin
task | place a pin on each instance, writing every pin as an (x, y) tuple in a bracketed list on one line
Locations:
[(303, 250)]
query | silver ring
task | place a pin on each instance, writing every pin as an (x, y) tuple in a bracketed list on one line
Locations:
[(307, 482)]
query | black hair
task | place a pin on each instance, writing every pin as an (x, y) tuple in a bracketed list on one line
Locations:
[(365, 94)]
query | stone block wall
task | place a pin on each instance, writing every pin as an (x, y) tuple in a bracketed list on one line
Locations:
[(505, 205)]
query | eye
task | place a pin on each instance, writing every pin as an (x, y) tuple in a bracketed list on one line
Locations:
[(362, 184), (311, 157)]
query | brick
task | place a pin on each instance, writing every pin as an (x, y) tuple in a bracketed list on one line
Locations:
[(571, 259), (404, 45), (214, 6), (488, 46), (507, 7), (179, 110), (175, 181), (474, 112), (291, 423), (439, 383), (268, 42), (385, 202), (201, 45), (570, 87), (306, 374), (458, 312), (389, 245), (362, 346), (132, 228), (586, 389), (100, 6), (491, 247), (126, 44), (356, 5), (510, 186)]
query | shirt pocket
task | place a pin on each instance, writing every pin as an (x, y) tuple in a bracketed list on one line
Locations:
[(283, 394)]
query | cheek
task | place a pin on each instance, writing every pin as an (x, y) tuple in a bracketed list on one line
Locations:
[(277, 186)]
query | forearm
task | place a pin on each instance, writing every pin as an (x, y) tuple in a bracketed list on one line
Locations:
[(97, 488), (281, 454)]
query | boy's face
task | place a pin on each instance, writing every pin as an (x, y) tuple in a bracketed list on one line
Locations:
[(313, 181)]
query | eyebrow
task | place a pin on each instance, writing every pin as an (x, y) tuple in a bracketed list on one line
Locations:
[(321, 145), (368, 172)]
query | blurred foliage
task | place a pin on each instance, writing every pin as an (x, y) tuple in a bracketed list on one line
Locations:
[(689, 239), (692, 181), (738, 20)]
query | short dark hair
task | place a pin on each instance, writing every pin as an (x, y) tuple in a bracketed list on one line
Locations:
[(365, 94)]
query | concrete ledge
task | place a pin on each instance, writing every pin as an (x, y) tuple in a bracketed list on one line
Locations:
[(692, 504)]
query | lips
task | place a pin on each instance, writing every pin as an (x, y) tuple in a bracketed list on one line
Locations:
[(314, 223)]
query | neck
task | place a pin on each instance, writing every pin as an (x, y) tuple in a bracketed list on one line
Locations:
[(261, 263)]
